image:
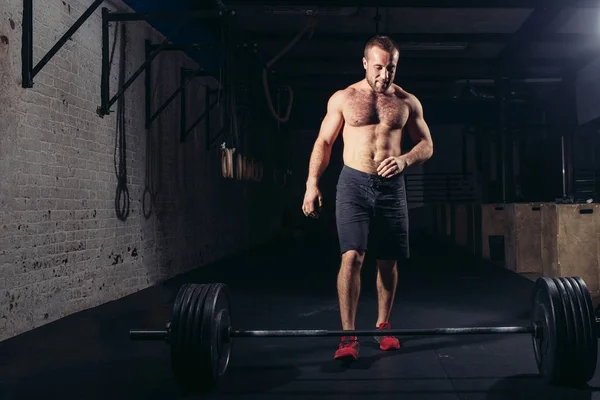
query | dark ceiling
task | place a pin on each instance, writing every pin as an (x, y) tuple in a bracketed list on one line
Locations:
[(440, 41)]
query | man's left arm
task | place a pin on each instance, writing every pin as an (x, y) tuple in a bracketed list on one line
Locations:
[(419, 134)]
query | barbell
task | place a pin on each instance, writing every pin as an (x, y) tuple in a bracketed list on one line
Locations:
[(563, 326)]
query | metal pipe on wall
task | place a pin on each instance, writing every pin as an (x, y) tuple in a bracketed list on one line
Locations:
[(562, 156)]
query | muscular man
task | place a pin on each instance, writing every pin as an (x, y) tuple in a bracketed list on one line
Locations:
[(371, 209)]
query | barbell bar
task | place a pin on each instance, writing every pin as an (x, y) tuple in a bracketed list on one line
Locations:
[(563, 326), (148, 335)]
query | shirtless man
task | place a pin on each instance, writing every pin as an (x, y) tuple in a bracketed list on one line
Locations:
[(371, 199)]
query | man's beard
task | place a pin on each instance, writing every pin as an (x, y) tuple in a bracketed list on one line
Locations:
[(379, 88)]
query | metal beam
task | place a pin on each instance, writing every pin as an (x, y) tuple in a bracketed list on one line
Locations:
[(190, 15), (205, 113), (184, 82), (340, 62), (105, 101), (186, 46), (276, 36), (311, 81), (441, 71), (569, 130), (528, 4), (308, 79), (186, 75), (28, 70), (27, 45)]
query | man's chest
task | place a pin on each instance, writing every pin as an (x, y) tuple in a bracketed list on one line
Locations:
[(374, 110)]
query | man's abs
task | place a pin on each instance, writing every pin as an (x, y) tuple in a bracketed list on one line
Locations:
[(366, 147)]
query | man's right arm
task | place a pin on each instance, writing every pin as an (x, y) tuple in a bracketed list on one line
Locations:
[(330, 128)]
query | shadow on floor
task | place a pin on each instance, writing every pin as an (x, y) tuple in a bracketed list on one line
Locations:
[(89, 356)]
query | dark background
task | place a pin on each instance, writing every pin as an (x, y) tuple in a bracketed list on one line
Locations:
[(507, 87)]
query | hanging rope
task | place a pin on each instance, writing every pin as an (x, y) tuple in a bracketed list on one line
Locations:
[(308, 29), (150, 179), (122, 195)]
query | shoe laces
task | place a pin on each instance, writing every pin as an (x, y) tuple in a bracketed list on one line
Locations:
[(348, 341)]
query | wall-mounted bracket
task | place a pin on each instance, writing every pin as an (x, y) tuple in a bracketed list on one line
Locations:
[(185, 80), (105, 100), (28, 70), (186, 75)]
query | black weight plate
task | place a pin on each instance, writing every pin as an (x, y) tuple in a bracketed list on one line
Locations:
[(176, 318), (224, 342), (179, 346), (547, 343), (585, 343), (195, 369), (579, 329), (568, 344), (222, 325), (177, 305), (199, 356), (590, 352), (184, 360), (206, 341), (216, 322), (196, 327)]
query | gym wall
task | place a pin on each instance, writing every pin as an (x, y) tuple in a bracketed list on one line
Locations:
[(586, 145), (588, 92), (64, 247)]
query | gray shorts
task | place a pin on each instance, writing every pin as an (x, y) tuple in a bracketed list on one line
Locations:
[(372, 214)]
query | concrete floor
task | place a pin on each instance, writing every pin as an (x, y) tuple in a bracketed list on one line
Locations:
[(89, 356)]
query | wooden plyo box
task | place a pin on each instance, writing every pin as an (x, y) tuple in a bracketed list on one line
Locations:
[(524, 238), (570, 245), (493, 221)]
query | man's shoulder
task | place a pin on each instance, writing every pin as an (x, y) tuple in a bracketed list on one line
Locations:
[(341, 96), (409, 98), (347, 92), (403, 93)]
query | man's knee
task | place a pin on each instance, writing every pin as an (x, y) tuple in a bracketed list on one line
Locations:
[(386, 264), (353, 259)]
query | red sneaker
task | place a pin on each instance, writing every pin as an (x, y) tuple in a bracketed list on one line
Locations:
[(387, 342), (348, 348)]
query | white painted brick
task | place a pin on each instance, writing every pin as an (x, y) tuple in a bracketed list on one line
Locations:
[(62, 248)]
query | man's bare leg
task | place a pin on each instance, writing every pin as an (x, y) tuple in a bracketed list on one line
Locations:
[(387, 280), (348, 286)]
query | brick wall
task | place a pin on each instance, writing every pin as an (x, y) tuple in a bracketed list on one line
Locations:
[(63, 247)]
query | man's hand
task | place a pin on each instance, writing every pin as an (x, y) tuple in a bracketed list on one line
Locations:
[(391, 166), (312, 197)]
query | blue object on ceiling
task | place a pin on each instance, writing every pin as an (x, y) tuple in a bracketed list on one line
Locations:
[(192, 32)]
